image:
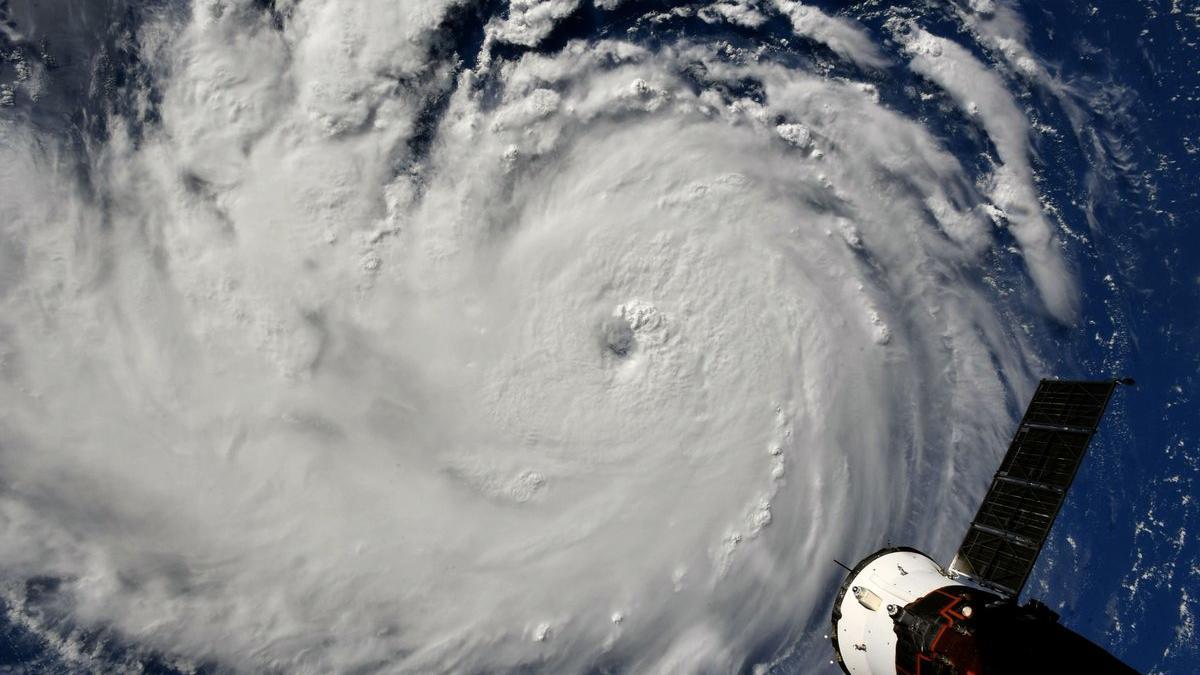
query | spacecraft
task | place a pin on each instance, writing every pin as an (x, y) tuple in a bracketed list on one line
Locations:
[(900, 612)]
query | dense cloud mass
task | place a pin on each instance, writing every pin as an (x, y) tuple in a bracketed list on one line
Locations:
[(358, 336)]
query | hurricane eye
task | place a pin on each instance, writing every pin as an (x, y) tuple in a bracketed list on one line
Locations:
[(616, 335)]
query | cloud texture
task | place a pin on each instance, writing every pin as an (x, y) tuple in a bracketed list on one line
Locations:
[(351, 344)]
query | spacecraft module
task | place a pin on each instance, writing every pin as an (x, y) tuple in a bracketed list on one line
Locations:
[(900, 612)]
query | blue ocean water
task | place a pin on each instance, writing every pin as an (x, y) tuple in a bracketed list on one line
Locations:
[(1123, 564)]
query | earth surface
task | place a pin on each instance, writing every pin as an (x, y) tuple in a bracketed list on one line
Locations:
[(577, 335)]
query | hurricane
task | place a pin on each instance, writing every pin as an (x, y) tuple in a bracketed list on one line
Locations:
[(530, 336)]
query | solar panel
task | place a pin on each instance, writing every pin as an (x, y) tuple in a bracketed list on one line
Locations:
[(1015, 517)]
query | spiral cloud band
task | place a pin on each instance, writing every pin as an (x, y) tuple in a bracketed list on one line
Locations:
[(346, 343)]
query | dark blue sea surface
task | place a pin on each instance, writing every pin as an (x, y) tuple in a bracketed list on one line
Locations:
[(1123, 564)]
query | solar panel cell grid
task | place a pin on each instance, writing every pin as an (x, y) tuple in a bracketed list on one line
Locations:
[(1016, 516)]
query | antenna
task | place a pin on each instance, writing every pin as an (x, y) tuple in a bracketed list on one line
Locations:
[(842, 565)]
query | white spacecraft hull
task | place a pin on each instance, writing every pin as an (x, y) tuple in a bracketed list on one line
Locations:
[(864, 628)]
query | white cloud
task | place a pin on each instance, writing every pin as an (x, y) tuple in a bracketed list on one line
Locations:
[(981, 93), (531, 21), (289, 394), (845, 37)]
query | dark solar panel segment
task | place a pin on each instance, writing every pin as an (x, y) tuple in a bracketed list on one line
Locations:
[(1015, 518), (1069, 404)]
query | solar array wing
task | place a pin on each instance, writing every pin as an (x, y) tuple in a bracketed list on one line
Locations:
[(1015, 518)]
